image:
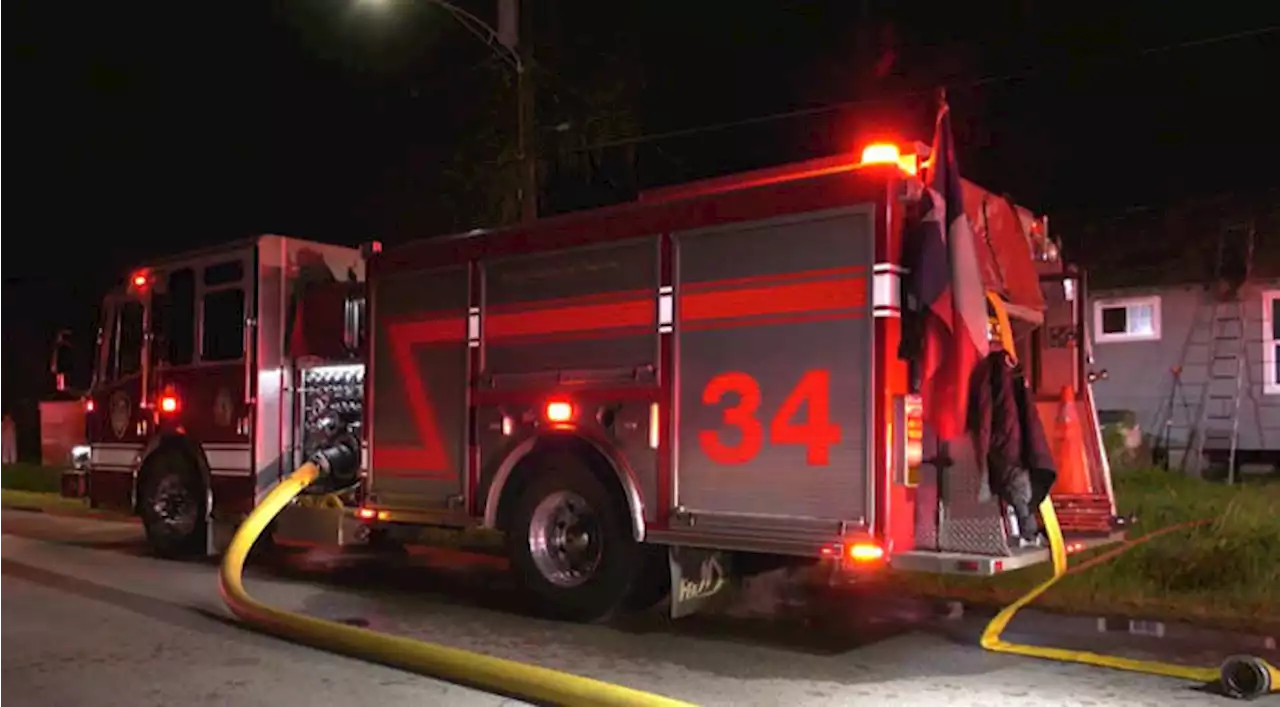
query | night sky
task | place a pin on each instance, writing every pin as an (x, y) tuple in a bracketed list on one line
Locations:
[(149, 128)]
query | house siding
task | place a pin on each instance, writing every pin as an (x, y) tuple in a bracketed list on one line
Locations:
[(1140, 373)]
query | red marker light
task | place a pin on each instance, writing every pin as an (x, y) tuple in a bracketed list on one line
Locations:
[(914, 430), (881, 153), (88, 406), (366, 513), (559, 411), (866, 552), (169, 403)]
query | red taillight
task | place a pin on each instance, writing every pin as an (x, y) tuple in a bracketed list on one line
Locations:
[(372, 514), (859, 553), (88, 406), (866, 552), (914, 431), (559, 411)]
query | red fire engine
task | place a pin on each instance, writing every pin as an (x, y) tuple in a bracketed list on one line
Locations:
[(665, 386)]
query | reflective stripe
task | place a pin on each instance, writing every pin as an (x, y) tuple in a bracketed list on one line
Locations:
[(886, 289), (666, 309), (114, 455), (228, 461)]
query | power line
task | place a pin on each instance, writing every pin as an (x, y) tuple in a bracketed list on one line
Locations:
[(845, 105)]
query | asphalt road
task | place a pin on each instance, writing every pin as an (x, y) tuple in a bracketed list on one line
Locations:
[(89, 620)]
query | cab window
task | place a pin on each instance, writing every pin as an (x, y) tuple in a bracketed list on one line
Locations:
[(174, 319), (107, 340), (128, 339), (223, 310)]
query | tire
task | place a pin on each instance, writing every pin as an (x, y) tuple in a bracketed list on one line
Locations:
[(571, 542), (171, 503)]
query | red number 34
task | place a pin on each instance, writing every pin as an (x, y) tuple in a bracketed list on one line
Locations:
[(816, 432)]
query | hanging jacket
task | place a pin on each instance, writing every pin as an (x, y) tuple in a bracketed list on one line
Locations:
[(995, 420), (1008, 437), (1037, 456)]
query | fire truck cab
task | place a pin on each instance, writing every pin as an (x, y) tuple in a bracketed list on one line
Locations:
[(197, 405), (654, 390)]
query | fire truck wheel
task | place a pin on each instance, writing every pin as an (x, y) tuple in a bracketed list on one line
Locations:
[(570, 540), (171, 503)]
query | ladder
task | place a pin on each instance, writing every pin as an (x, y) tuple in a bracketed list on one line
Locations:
[(1226, 368), (1167, 415)]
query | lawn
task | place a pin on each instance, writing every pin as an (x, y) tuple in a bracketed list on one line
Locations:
[(1224, 573), (30, 477), (35, 487)]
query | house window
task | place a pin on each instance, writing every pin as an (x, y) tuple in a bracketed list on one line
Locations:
[(1129, 319), (1271, 342)]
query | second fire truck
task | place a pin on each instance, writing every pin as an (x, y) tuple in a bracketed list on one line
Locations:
[(658, 389)]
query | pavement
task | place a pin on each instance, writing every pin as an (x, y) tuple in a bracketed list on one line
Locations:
[(91, 620)]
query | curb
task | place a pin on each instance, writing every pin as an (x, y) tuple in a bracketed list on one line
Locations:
[(88, 513)]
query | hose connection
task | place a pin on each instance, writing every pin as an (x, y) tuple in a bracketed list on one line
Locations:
[(1247, 677), (339, 461)]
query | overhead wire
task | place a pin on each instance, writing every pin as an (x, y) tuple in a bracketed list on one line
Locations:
[(974, 83)]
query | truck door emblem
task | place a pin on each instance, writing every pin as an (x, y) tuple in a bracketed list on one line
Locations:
[(222, 408), (121, 412)]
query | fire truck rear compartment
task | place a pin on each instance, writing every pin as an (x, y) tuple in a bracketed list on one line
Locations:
[(775, 315)]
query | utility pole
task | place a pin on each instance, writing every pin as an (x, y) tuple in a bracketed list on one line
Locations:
[(512, 42), (514, 32), (528, 121)]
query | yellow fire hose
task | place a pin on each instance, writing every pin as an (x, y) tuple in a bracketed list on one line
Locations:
[(497, 675), (1241, 676)]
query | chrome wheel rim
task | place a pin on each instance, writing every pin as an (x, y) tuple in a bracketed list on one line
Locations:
[(173, 507), (565, 541)]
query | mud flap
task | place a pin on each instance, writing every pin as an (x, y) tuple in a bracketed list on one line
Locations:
[(697, 576)]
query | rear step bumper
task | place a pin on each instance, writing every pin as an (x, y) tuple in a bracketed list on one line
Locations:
[(935, 562)]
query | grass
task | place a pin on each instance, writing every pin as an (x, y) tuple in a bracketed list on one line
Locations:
[(1225, 573), (41, 501), (35, 487), (30, 477)]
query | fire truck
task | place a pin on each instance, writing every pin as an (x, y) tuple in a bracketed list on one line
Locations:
[(651, 394)]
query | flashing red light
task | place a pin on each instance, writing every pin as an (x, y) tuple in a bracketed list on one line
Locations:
[(140, 280), (169, 403), (881, 153), (88, 406), (886, 153), (914, 430), (857, 553), (559, 411), (866, 552)]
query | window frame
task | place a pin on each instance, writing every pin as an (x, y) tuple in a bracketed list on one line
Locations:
[(203, 290), (1270, 384), (1153, 301)]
